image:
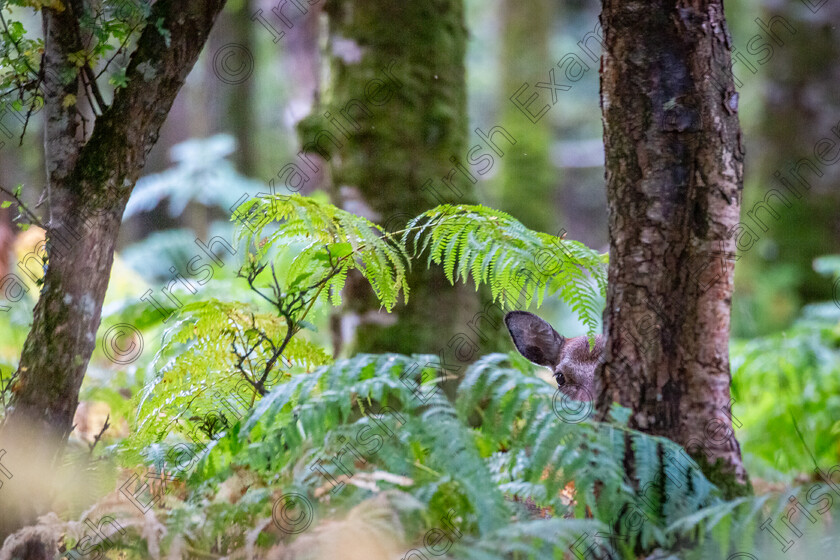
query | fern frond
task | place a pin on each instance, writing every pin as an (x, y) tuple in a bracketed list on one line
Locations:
[(198, 374), (323, 237), (518, 264)]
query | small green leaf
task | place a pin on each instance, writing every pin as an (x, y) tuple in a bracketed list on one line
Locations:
[(6, 204), (167, 36), (77, 58), (299, 279), (118, 79), (16, 30), (339, 250)]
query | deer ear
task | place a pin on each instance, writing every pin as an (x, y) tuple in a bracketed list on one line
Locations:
[(534, 338)]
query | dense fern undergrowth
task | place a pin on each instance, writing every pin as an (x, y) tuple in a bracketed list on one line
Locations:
[(255, 442)]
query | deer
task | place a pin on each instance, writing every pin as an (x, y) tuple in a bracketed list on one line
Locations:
[(572, 362), (571, 359)]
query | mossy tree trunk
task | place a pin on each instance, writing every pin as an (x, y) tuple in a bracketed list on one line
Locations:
[(90, 180), (527, 178), (674, 169), (391, 118), (798, 176)]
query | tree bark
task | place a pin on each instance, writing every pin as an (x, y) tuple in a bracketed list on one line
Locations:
[(390, 167), (89, 184), (674, 170)]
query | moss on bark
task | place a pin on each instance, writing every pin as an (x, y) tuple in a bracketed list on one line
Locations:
[(391, 118)]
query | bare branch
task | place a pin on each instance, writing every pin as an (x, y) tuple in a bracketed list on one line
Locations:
[(94, 88), (167, 49), (117, 52), (99, 435)]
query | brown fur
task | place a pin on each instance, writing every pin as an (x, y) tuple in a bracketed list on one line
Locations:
[(571, 359)]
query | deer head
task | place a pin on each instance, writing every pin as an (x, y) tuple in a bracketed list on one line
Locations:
[(570, 358)]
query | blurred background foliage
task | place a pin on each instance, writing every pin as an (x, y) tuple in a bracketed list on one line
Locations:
[(225, 142)]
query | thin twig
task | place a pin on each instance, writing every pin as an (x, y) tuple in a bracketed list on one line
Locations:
[(94, 88), (88, 94), (17, 48), (118, 51), (294, 326), (17, 87), (32, 217), (246, 355), (802, 439), (26, 123), (99, 435)]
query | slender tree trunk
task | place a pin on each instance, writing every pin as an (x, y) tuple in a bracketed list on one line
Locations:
[(793, 186), (89, 184), (528, 177), (7, 238), (242, 103), (674, 169), (391, 166)]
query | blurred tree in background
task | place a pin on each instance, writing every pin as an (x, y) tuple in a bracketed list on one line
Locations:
[(391, 120), (787, 53), (529, 180)]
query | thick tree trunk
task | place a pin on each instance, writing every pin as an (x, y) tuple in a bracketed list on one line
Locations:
[(89, 184), (405, 63), (674, 168)]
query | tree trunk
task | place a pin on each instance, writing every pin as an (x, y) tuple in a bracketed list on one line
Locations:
[(405, 63), (792, 186), (527, 178), (7, 240), (89, 184), (240, 98), (674, 169)]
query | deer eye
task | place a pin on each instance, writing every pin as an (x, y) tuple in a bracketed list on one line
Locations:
[(561, 379)]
